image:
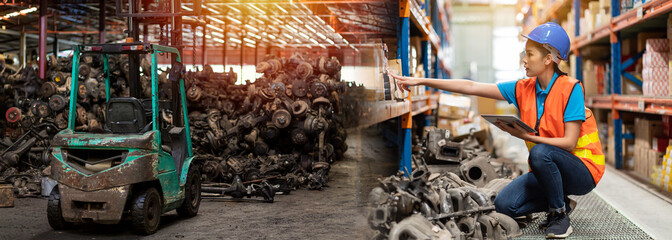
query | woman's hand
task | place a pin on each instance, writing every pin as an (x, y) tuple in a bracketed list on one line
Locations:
[(516, 130), (404, 82)]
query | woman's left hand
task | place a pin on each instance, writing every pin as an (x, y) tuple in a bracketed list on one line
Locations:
[(516, 130)]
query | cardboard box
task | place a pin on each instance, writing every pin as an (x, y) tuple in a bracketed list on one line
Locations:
[(654, 158), (657, 45), (487, 105), (589, 78), (643, 36), (653, 59), (605, 4), (449, 124), (452, 112), (465, 129), (655, 81), (455, 100), (646, 130), (638, 159)]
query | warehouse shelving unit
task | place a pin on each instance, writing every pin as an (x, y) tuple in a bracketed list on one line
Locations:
[(628, 23), (647, 16), (433, 27), (410, 11)]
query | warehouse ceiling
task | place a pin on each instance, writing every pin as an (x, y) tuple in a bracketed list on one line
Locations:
[(263, 23)]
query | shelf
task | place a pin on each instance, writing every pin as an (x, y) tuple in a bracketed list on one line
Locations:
[(380, 111), (420, 20), (599, 101), (553, 9), (600, 34), (632, 103), (640, 14), (623, 22)]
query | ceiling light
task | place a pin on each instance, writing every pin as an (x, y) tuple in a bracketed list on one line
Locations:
[(234, 9), (257, 9), (215, 28), (249, 40), (216, 19), (281, 9), (233, 19)]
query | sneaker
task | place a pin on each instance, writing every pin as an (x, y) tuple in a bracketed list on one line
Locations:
[(559, 226), (570, 204)]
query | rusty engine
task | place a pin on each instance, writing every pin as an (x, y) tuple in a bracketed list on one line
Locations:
[(450, 195)]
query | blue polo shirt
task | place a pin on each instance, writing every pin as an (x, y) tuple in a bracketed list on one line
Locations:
[(575, 108)]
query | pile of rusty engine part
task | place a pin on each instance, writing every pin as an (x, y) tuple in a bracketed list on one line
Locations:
[(450, 195), (285, 128), (35, 109), (438, 206), (466, 158)]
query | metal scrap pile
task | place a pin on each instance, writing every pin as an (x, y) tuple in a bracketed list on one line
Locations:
[(37, 109), (454, 202), (285, 127), (466, 158)]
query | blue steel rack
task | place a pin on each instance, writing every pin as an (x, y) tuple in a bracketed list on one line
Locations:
[(433, 38), (628, 23)]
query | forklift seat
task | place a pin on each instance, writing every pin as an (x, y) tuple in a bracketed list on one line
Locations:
[(125, 115)]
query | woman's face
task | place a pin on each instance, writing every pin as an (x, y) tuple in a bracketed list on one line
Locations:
[(535, 62)]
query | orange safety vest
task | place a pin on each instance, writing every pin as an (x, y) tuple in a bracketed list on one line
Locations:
[(551, 124)]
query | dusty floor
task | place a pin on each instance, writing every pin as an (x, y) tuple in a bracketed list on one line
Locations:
[(337, 212)]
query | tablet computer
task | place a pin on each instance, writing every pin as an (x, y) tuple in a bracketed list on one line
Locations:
[(510, 119)]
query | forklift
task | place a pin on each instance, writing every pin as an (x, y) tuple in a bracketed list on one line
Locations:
[(140, 167)]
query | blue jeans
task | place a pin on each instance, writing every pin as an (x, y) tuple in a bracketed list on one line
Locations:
[(555, 174)]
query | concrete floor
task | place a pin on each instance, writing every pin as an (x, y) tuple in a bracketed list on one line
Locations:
[(337, 212), (333, 213), (649, 212)]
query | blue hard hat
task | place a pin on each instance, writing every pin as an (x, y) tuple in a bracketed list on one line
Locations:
[(552, 34)]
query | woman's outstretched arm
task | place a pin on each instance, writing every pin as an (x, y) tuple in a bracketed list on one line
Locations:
[(468, 87)]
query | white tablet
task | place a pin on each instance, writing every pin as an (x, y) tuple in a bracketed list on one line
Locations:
[(510, 119)]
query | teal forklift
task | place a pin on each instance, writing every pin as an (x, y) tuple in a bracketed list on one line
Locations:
[(140, 167)]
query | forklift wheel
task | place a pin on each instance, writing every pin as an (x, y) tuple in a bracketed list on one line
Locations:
[(192, 194), (54, 214), (146, 211)]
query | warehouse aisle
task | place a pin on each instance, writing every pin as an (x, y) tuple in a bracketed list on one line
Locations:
[(646, 210)]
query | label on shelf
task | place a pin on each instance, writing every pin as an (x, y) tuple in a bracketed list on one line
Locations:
[(640, 13), (641, 105)]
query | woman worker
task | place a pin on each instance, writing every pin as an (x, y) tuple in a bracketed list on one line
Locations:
[(565, 155)]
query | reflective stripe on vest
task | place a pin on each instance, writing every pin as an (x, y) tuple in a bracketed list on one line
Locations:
[(552, 125)]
